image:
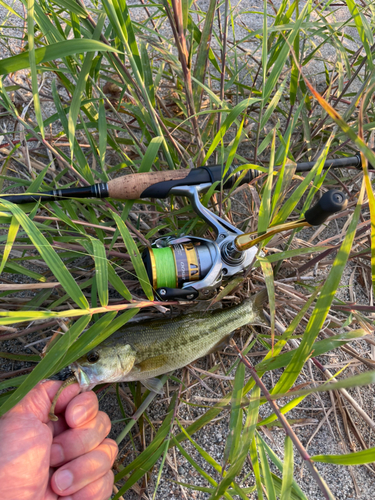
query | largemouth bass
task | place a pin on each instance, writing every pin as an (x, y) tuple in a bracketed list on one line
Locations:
[(148, 349)]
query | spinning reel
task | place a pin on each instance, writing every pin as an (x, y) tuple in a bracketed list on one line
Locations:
[(191, 268)]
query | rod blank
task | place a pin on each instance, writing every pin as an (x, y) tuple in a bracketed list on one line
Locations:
[(95, 191)]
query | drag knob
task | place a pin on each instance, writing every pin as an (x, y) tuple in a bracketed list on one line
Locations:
[(331, 202)]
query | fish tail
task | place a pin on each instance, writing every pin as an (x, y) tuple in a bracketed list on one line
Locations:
[(259, 300)]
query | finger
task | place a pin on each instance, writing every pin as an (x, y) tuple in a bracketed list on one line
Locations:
[(101, 489), (76, 442), (82, 471), (38, 401), (65, 397), (59, 426), (82, 409), (50, 494)]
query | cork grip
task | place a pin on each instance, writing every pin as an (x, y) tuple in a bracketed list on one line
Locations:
[(131, 187)]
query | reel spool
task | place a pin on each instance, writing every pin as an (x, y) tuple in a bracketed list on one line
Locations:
[(175, 265)]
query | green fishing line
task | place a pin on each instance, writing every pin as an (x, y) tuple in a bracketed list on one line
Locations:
[(165, 267)]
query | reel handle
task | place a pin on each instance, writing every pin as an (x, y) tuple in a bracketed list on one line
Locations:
[(331, 202)]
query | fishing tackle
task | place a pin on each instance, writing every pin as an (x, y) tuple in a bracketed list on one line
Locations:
[(191, 267)]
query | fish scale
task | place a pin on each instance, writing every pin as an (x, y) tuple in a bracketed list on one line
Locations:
[(147, 349)]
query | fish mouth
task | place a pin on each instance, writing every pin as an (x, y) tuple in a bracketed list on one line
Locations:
[(82, 377)]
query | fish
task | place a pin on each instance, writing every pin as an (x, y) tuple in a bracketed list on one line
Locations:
[(143, 351)]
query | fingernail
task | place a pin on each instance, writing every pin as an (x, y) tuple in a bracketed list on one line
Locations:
[(63, 479), (79, 414), (57, 454)]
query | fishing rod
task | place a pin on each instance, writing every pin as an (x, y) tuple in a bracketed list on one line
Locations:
[(159, 184), (190, 267)]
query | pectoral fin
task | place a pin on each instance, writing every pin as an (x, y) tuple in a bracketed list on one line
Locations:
[(154, 385), (154, 363)]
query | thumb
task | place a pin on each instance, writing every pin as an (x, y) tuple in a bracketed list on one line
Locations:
[(38, 401)]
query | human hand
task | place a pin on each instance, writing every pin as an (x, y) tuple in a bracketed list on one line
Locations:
[(65, 460)]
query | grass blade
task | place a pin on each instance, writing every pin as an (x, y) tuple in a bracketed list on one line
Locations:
[(51, 52), (202, 53), (247, 437), (288, 467), (235, 422), (79, 88), (364, 30), (268, 482), (356, 458), (135, 257), (32, 62), (283, 54), (101, 270), (322, 307), (117, 283), (102, 134), (49, 255), (12, 234), (265, 206), (229, 120), (256, 468)]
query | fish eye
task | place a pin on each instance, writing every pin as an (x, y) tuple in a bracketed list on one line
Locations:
[(93, 357)]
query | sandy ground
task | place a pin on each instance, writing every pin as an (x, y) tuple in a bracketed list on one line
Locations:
[(311, 411)]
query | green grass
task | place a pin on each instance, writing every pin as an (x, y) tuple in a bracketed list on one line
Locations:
[(186, 89)]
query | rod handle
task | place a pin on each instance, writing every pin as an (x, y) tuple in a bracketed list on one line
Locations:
[(133, 186), (331, 202), (159, 184)]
